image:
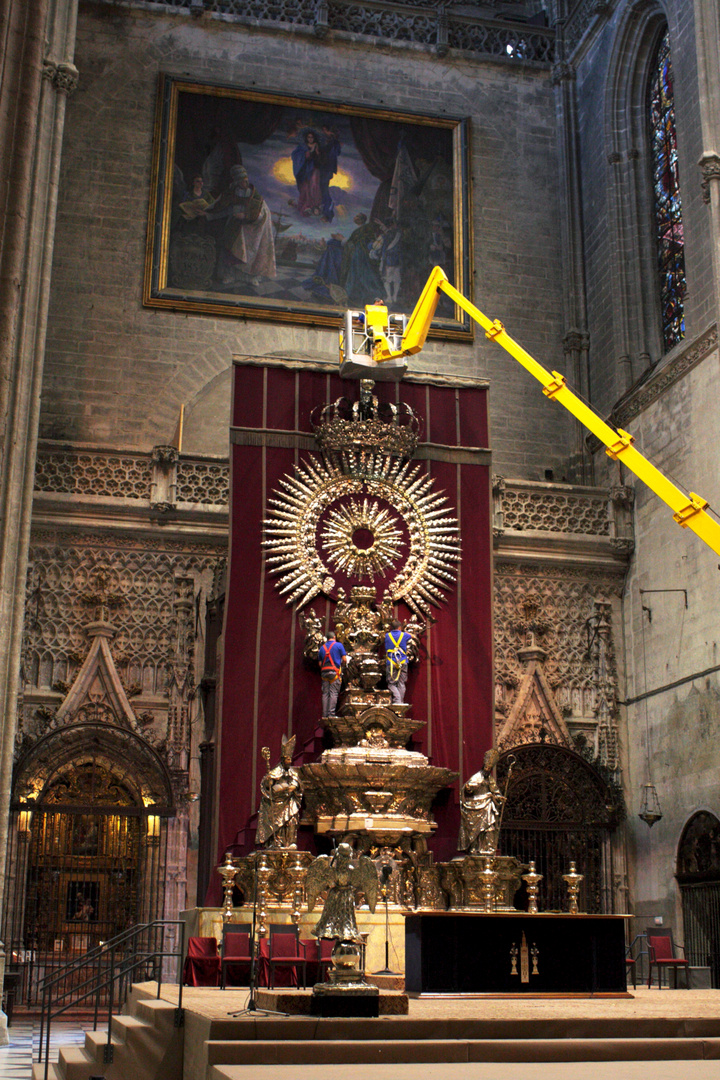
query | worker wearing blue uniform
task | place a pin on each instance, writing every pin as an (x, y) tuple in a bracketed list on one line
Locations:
[(332, 656), (397, 642)]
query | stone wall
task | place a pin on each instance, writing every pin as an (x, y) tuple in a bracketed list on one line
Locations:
[(117, 373), (671, 636)]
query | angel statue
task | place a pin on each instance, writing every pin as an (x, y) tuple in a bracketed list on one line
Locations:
[(341, 873), (281, 795), (481, 805)]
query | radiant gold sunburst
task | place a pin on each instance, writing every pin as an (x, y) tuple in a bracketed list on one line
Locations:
[(433, 543), (339, 539)]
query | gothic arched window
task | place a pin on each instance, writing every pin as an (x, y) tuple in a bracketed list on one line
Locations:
[(666, 189)]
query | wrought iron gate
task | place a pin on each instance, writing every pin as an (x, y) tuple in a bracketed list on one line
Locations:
[(701, 920), (559, 809)]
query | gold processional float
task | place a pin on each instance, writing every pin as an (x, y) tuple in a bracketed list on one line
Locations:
[(369, 794)]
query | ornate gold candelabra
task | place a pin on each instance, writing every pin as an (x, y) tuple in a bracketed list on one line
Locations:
[(532, 880), (572, 880), (227, 872), (263, 873)]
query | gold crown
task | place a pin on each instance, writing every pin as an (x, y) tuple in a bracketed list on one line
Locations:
[(366, 426)]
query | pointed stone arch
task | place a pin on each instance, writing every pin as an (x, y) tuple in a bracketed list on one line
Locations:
[(698, 876), (122, 751), (534, 716), (635, 298)]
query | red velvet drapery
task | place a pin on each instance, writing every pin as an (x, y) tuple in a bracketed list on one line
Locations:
[(268, 689)]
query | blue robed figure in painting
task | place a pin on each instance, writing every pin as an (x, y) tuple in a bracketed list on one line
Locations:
[(315, 162)]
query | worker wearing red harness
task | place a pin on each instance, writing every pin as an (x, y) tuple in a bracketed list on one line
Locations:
[(332, 656)]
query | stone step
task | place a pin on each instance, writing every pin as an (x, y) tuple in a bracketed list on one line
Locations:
[(301, 1028), (146, 1034), (147, 1045), (123, 1025), (75, 1063), (390, 1051), (570, 1070), (160, 1014), (38, 1071), (95, 1044)]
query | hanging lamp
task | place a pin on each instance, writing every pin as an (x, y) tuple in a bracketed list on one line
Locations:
[(650, 811)]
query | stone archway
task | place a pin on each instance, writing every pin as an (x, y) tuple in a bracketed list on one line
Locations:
[(91, 803), (559, 809), (698, 875)]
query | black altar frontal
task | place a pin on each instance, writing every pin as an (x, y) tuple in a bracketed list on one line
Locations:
[(477, 952)]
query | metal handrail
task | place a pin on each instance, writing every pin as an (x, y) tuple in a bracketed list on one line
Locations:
[(109, 971)]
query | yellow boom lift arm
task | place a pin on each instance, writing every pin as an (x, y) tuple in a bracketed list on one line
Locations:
[(381, 356)]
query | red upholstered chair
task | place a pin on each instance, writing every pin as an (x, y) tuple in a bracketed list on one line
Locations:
[(325, 947), (317, 954), (286, 953), (202, 963), (661, 954), (236, 957)]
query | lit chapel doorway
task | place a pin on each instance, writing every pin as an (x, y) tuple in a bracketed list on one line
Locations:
[(86, 861)]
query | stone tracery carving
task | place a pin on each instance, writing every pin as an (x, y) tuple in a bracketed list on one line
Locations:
[(131, 475), (552, 619), (203, 482), (126, 476), (63, 77), (555, 512), (422, 23), (149, 597), (657, 383), (472, 36)]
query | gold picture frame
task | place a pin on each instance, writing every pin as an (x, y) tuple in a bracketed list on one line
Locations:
[(272, 206)]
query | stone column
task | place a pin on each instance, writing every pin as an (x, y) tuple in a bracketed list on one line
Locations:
[(206, 852), (37, 43), (576, 340)]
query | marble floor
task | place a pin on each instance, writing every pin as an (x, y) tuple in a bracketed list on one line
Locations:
[(16, 1060)]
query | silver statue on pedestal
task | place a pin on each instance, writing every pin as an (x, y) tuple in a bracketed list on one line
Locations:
[(281, 795), (481, 804)]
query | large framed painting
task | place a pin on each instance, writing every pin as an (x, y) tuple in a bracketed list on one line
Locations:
[(277, 207)]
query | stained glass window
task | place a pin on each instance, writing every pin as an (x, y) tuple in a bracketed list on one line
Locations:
[(668, 209)]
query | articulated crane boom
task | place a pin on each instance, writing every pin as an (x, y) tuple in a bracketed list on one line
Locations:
[(381, 346)]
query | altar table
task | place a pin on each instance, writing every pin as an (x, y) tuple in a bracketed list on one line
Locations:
[(478, 952)]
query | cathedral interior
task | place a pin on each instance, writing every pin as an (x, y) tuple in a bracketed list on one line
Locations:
[(193, 193)]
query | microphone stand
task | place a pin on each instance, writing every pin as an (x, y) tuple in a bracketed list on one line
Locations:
[(385, 874)]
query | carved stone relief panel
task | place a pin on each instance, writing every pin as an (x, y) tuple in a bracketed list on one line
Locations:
[(562, 618), (153, 612)]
